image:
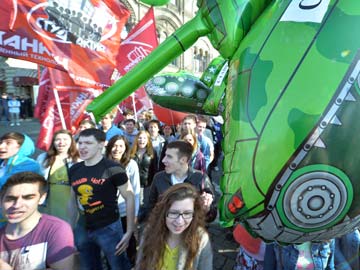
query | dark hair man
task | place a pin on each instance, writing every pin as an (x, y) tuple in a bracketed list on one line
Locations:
[(158, 142), (31, 240), (95, 184), (177, 170)]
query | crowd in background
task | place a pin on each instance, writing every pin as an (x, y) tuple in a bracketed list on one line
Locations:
[(137, 195)]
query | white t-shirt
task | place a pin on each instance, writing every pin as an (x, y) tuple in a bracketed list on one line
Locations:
[(175, 181)]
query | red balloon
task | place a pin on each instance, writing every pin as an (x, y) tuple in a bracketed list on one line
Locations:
[(168, 116)]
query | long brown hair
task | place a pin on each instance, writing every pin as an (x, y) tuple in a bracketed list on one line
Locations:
[(149, 148), (52, 152), (188, 131), (156, 232), (125, 158)]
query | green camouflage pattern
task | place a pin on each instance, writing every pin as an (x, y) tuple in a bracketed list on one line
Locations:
[(290, 104)]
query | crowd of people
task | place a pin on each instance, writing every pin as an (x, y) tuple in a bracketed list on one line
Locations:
[(132, 194)]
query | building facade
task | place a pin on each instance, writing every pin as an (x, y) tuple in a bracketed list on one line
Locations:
[(23, 80), (168, 18), (17, 77)]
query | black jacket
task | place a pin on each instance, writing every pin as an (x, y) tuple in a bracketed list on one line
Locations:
[(147, 168), (162, 181)]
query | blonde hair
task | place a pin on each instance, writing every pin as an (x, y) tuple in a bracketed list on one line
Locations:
[(135, 147)]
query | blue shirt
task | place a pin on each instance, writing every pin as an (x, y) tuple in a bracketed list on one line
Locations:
[(113, 131)]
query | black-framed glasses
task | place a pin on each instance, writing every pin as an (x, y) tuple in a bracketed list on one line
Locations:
[(175, 215)]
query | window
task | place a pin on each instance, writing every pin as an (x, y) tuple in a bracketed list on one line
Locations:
[(201, 59)]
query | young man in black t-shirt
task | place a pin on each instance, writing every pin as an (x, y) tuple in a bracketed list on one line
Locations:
[(95, 184)]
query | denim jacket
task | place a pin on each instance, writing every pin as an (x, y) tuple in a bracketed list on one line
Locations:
[(347, 251), (285, 257)]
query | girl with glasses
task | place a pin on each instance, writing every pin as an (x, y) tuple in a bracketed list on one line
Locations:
[(175, 236)]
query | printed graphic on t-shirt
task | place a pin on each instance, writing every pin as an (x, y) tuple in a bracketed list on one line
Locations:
[(85, 198), (28, 257), (305, 261), (96, 188), (86, 201)]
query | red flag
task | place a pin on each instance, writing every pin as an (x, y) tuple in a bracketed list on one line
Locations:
[(42, 98), (60, 104), (139, 43), (73, 37), (45, 111)]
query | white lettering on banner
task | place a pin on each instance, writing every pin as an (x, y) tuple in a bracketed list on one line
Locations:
[(52, 28), (53, 115), (139, 52), (135, 56), (64, 62), (22, 43), (95, 46), (13, 41), (42, 58), (60, 26), (25, 45), (116, 75), (42, 49), (306, 11), (13, 53), (88, 81), (78, 102), (48, 122)]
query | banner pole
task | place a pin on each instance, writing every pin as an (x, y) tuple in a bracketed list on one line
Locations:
[(58, 104)]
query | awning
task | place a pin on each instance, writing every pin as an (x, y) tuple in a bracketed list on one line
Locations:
[(25, 77)]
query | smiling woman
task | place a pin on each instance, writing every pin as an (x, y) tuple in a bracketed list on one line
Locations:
[(55, 165), (175, 236), (143, 153)]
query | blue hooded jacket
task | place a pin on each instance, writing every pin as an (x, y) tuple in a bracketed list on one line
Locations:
[(21, 161)]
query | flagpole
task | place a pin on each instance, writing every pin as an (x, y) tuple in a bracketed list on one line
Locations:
[(58, 104), (134, 106)]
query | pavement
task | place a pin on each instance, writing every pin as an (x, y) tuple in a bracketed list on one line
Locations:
[(224, 246)]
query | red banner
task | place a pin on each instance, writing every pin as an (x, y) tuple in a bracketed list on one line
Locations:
[(60, 104), (42, 98), (139, 43), (82, 37)]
